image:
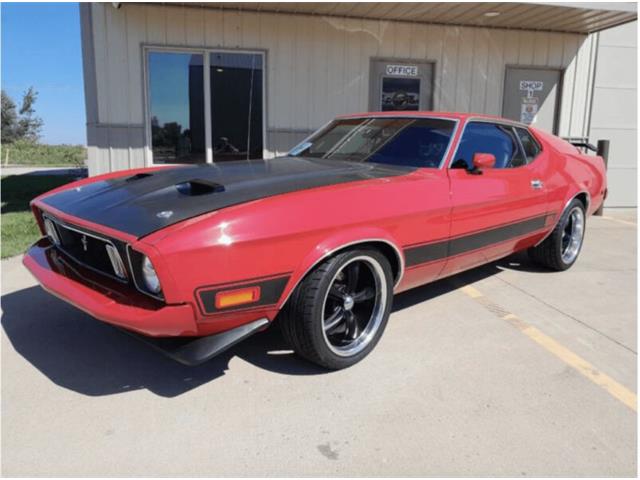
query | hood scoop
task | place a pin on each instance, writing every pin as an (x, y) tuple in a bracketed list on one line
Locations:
[(199, 186), (154, 199)]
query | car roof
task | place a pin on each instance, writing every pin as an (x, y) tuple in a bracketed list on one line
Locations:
[(433, 114)]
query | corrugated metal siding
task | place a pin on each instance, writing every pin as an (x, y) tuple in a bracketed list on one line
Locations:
[(318, 67), (614, 114)]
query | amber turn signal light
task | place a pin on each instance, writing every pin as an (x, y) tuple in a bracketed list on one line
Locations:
[(240, 296)]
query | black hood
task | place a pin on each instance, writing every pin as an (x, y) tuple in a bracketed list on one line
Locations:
[(144, 203)]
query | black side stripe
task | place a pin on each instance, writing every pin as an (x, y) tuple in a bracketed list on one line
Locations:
[(455, 246)]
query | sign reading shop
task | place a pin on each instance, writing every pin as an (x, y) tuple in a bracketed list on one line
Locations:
[(402, 70)]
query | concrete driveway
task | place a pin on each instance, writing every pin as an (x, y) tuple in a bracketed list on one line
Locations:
[(506, 370)]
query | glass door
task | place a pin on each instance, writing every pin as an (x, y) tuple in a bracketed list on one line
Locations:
[(205, 106), (176, 107), (236, 105)]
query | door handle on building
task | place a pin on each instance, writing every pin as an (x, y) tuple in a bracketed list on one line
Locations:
[(537, 184)]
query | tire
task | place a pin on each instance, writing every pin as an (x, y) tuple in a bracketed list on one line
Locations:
[(325, 320), (557, 252)]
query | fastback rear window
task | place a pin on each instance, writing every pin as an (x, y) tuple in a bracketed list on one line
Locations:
[(416, 142)]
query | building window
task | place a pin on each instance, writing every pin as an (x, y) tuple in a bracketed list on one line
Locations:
[(176, 104), (400, 94), (205, 106)]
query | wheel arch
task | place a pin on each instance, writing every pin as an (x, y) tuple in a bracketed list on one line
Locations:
[(583, 196), (386, 245)]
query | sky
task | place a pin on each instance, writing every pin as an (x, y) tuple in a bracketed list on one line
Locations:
[(41, 47)]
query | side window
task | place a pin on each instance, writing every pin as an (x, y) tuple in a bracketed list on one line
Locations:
[(530, 146), (483, 137), (421, 143)]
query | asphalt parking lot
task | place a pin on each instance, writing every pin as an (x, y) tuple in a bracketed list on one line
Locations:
[(506, 370)]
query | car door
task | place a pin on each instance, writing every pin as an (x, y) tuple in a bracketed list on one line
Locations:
[(495, 211)]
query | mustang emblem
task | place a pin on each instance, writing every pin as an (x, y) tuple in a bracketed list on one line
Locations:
[(84, 242)]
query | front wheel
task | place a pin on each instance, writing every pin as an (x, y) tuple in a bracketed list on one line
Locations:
[(560, 249), (337, 314)]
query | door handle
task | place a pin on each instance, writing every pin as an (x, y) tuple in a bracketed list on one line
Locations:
[(537, 184)]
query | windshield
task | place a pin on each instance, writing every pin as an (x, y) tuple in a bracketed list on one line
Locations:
[(417, 142)]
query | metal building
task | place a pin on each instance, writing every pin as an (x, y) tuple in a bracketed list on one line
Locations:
[(176, 83)]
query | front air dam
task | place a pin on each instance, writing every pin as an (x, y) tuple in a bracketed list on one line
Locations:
[(192, 351)]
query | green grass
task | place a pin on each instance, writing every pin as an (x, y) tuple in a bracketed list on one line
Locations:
[(18, 226), (28, 153)]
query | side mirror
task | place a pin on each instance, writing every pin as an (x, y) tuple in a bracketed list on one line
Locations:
[(484, 160)]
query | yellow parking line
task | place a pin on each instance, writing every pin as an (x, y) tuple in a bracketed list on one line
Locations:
[(472, 292), (615, 389)]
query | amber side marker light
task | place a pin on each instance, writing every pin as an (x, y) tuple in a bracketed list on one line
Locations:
[(240, 296)]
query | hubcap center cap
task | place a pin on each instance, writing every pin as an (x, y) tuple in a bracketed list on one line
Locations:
[(348, 302)]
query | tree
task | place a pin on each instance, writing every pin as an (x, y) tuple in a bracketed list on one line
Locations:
[(9, 119), (29, 125), (23, 125)]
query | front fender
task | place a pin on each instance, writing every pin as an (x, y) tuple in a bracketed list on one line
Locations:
[(337, 242)]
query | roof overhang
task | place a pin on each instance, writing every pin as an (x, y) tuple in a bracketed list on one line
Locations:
[(568, 17)]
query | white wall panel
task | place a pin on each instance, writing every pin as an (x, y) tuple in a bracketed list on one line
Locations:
[(118, 86), (479, 70), (136, 36), (463, 78), (569, 63), (526, 44), (318, 67), (495, 71), (447, 97), (175, 17), (99, 28), (194, 26), (319, 74), (232, 26), (417, 40), (214, 33), (369, 35), (617, 67), (355, 66), (387, 39), (555, 50), (541, 50), (155, 23), (614, 111), (302, 62), (250, 30), (335, 43), (402, 40)]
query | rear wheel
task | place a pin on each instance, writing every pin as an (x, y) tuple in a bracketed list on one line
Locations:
[(337, 314), (560, 250)]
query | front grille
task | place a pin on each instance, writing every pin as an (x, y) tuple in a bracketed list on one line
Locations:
[(87, 248)]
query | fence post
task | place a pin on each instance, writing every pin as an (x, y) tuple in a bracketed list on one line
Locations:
[(603, 151)]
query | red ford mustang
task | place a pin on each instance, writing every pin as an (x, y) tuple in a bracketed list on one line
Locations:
[(368, 206)]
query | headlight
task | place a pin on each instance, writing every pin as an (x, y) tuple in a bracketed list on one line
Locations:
[(151, 280), (51, 231)]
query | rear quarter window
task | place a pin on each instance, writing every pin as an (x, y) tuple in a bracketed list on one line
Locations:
[(529, 144)]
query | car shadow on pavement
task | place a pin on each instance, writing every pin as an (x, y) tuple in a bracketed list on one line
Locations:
[(82, 354), (517, 262)]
